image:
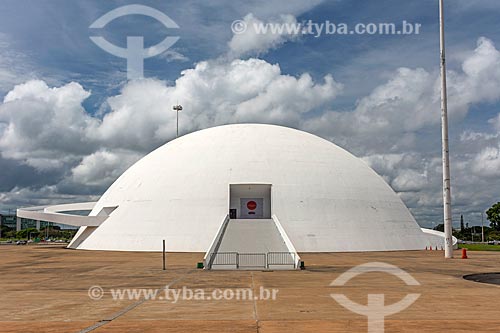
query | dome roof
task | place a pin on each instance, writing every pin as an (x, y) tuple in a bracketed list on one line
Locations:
[(325, 198)]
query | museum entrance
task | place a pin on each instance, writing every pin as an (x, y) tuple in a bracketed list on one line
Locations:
[(249, 201)]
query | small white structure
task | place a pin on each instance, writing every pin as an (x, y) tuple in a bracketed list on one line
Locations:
[(320, 197)]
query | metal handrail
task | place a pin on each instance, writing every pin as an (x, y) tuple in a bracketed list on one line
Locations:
[(269, 259), (253, 256), (223, 255), (285, 258)]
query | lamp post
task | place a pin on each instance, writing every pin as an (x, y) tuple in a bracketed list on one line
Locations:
[(448, 249), (177, 108), (482, 227)]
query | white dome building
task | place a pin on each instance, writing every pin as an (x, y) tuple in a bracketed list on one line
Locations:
[(199, 189)]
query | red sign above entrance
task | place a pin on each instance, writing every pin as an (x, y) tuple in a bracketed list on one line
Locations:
[(251, 205)]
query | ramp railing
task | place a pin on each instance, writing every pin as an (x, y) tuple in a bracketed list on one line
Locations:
[(224, 259), (235, 260), (281, 259), (214, 246), (252, 260), (287, 241)]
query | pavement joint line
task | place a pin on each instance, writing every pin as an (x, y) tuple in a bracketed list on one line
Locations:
[(132, 306), (255, 314)]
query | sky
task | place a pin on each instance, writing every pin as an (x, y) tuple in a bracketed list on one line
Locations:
[(71, 122)]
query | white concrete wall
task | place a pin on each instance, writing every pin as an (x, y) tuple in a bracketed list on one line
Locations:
[(436, 239)]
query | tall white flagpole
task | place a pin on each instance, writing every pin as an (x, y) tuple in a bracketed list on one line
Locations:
[(448, 249)]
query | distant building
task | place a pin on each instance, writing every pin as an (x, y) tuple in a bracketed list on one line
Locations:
[(8, 221)]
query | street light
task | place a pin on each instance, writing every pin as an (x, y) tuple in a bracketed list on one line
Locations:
[(177, 108)]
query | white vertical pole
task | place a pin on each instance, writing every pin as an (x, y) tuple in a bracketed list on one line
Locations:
[(164, 255), (448, 249), (482, 228)]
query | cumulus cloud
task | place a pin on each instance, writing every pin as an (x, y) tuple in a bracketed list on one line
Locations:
[(45, 126), (212, 93), (417, 178), (481, 74), (45, 195), (405, 172), (487, 162), (396, 128), (410, 102), (103, 167), (258, 37)]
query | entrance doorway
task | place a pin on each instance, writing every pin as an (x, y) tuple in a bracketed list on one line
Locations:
[(250, 201)]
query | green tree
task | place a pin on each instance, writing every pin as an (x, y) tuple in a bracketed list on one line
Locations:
[(493, 215), (493, 235), (439, 227), (25, 233)]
